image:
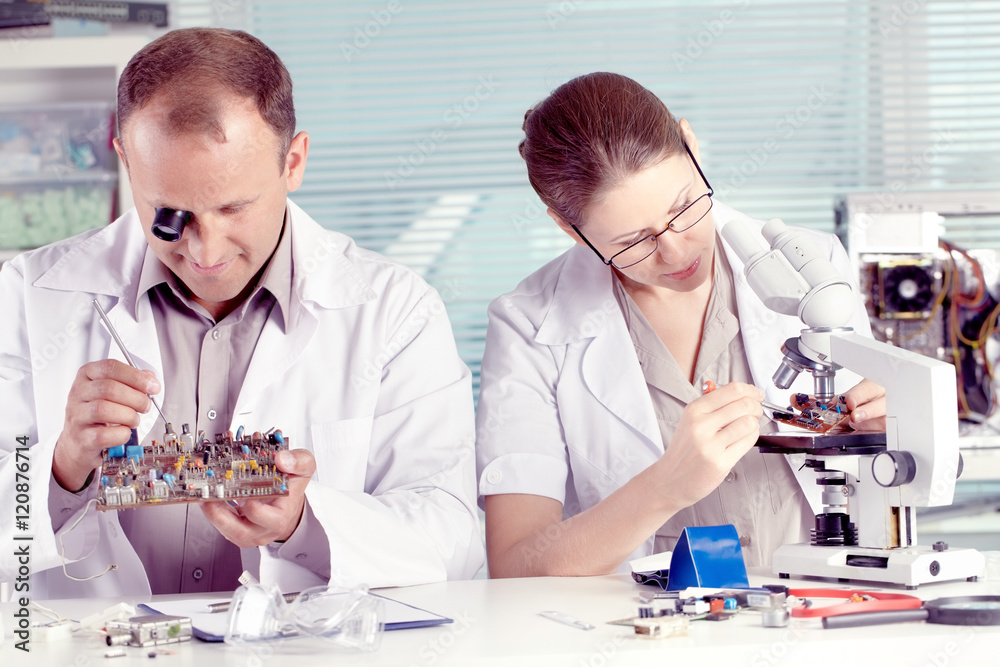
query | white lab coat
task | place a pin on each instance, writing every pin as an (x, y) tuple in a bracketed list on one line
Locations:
[(564, 410), (366, 377)]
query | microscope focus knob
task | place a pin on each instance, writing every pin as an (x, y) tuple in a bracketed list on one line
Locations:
[(894, 468)]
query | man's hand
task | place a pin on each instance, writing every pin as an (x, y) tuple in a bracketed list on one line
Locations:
[(261, 522), (103, 407)]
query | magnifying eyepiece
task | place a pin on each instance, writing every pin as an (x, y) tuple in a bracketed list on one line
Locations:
[(168, 225)]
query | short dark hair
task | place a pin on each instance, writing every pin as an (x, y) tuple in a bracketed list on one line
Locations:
[(192, 65), (589, 135)]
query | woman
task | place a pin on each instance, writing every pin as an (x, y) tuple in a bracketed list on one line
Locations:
[(595, 442)]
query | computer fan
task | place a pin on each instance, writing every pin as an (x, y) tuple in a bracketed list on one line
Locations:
[(906, 289)]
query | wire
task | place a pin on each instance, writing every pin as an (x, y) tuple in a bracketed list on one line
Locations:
[(938, 302), (62, 547), (54, 615), (977, 270)]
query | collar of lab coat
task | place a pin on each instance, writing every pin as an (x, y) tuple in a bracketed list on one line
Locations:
[(583, 306), (583, 298), (318, 257), (581, 302), (324, 277)]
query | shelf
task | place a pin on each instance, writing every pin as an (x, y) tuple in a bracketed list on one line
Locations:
[(67, 178), (66, 70)]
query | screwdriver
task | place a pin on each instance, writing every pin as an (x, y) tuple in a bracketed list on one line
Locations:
[(121, 346), (708, 386)]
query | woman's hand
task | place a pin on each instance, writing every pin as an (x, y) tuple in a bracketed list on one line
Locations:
[(866, 401), (714, 432)]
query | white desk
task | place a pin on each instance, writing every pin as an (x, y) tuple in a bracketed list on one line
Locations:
[(496, 623)]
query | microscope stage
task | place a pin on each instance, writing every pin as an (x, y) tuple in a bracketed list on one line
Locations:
[(853, 442)]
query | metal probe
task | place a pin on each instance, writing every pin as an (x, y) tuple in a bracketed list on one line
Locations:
[(775, 408), (121, 346)]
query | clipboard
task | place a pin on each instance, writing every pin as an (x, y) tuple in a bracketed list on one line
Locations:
[(209, 627)]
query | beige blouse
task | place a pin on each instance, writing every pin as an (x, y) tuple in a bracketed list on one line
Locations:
[(760, 496)]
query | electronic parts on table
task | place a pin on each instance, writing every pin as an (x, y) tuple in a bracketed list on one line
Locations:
[(668, 613), (151, 630), (180, 469)]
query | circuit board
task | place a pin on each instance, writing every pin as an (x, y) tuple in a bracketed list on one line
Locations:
[(180, 469), (822, 418), (900, 293)]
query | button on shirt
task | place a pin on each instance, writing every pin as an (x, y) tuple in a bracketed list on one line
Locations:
[(760, 496), (204, 364)]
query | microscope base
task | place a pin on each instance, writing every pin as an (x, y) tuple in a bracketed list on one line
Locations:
[(909, 567)]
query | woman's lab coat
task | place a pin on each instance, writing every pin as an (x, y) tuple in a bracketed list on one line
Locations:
[(564, 410), (366, 377)]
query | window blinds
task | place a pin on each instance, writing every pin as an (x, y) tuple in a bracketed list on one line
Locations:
[(414, 111)]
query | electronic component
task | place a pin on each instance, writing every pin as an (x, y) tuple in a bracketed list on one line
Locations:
[(661, 627), (926, 294), (815, 416), (695, 606), (151, 630), (774, 618), (566, 619), (177, 470)]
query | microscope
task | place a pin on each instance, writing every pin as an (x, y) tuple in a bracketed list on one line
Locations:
[(872, 483)]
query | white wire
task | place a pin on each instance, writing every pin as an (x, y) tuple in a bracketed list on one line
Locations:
[(62, 547)]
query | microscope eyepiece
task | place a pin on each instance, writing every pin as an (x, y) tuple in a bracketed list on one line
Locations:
[(168, 224)]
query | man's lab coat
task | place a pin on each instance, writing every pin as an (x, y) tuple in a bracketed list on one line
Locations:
[(366, 377), (564, 410)]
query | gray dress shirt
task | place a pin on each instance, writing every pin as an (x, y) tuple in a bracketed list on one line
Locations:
[(204, 364)]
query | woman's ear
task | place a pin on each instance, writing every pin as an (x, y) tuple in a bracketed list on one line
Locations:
[(692, 141), (565, 226)]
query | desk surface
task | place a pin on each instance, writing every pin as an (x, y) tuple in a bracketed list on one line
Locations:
[(497, 623)]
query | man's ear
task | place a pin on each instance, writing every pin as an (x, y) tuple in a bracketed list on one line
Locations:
[(117, 143), (295, 161), (566, 227)]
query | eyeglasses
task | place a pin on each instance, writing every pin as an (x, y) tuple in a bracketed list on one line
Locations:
[(687, 218)]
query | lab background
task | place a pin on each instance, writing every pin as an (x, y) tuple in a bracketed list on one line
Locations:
[(878, 120)]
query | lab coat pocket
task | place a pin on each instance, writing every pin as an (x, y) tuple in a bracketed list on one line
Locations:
[(341, 451)]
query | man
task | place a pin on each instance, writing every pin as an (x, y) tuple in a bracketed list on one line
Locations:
[(254, 317)]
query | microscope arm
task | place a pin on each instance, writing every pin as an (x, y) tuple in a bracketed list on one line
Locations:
[(921, 408)]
